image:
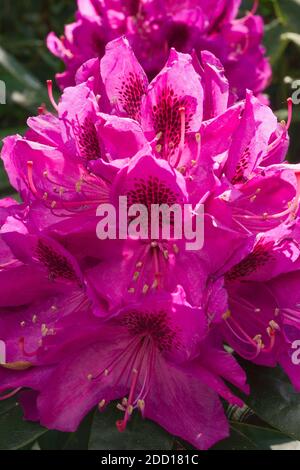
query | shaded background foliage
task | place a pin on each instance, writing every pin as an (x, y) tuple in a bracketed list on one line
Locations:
[(271, 416), (25, 63)]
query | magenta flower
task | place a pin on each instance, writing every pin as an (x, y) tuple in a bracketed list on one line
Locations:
[(68, 162), (151, 357), (153, 27), (143, 321), (263, 318), (50, 287)]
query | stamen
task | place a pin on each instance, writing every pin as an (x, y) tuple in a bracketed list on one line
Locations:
[(50, 93), (255, 7), (30, 178), (62, 204), (290, 113), (11, 394), (198, 141), (131, 346), (121, 424), (182, 135), (255, 342), (272, 334)]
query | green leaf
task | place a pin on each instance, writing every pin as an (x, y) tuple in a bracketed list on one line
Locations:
[(290, 10), (140, 434), (15, 433), (13, 66), (273, 398), (79, 440), (3, 178), (245, 436), (274, 45)]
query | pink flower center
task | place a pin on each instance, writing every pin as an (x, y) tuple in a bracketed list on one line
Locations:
[(130, 95), (155, 325), (133, 366), (59, 267), (258, 258), (88, 141), (171, 118), (151, 191)]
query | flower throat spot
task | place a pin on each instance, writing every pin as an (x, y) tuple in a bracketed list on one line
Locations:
[(130, 95), (167, 117), (258, 258), (58, 265), (154, 325)]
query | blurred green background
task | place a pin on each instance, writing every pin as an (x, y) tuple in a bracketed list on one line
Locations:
[(25, 63)]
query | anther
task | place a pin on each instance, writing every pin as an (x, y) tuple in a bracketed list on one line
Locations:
[(226, 315), (120, 407), (274, 325), (145, 289), (175, 249), (102, 404), (141, 405)]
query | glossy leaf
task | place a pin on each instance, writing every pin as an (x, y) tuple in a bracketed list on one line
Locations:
[(273, 398), (140, 433), (15, 433)]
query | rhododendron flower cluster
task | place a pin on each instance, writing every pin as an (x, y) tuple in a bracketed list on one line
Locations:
[(154, 26), (144, 322)]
